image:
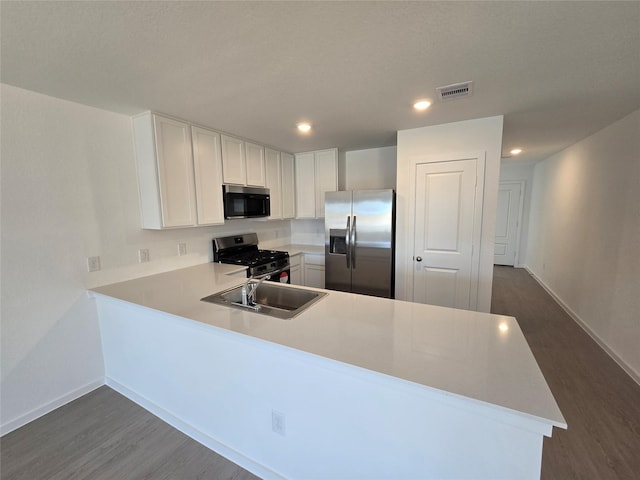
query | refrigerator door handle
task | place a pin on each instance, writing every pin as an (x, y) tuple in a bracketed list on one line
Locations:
[(353, 243), (347, 238)]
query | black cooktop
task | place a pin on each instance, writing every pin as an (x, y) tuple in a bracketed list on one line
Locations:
[(252, 258), (243, 250)]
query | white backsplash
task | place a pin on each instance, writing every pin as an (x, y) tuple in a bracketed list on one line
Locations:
[(163, 248), (307, 232)]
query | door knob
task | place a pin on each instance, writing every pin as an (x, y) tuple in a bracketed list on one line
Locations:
[(418, 259)]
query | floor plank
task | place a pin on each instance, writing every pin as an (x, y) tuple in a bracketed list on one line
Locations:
[(104, 435), (599, 401)]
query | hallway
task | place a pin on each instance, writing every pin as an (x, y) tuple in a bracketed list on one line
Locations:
[(599, 401)]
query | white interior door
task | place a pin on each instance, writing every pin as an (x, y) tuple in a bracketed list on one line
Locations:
[(507, 223), (445, 219)]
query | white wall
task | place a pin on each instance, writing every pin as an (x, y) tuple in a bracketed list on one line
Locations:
[(584, 235), (523, 173), (374, 168), (69, 191), (457, 139)]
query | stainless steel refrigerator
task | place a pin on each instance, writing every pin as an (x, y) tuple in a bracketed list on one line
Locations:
[(359, 244)]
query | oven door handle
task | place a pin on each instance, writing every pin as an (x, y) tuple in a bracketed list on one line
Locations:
[(270, 274)]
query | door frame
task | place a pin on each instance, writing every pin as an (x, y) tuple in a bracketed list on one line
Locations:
[(522, 183), (409, 241)]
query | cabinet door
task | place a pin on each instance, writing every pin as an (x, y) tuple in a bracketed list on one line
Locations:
[(273, 182), (296, 275), (233, 160), (255, 169), (296, 269), (326, 169), (314, 270), (175, 172), (305, 185), (314, 275), (207, 163), (288, 186)]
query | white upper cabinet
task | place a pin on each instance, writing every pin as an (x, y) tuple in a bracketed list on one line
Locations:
[(233, 161), (274, 182), (280, 180), (305, 185), (255, 165), (242, 162), (182, 167), (288, 186), (207, 163), (316, 173), (326, 177), (165, 172)]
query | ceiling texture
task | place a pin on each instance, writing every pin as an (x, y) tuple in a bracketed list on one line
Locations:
[(557, 71)]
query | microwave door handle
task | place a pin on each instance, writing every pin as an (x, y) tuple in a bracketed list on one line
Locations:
[(353, 243), (347, 240)]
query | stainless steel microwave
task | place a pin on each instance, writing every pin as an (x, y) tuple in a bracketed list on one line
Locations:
[(245, 202)]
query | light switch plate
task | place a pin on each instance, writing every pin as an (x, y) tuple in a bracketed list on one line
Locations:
[(93, 264), (143, 255)]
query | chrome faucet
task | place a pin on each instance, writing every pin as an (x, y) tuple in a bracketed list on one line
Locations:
[(249, 289)]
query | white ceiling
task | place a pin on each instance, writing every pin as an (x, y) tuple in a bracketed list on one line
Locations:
[(558, 71)]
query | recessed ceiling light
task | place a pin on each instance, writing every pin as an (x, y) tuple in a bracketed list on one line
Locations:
[(304, 127), (516, 151), (422, 104)]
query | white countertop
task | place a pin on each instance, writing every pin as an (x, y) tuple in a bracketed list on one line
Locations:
[(295, 249), (479, 356)]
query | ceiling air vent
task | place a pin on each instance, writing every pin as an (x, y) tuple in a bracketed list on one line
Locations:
[(457, 90)]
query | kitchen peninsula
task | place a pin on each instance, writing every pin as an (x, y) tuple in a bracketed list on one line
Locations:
[(354, 387)]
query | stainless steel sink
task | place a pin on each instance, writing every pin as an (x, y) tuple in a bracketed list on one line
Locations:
[(272, 299)]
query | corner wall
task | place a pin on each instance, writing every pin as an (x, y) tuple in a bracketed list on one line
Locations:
[(69, 191), (483, 135), (584, 235)]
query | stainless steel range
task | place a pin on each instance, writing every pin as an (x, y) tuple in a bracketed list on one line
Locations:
[(243, 250)]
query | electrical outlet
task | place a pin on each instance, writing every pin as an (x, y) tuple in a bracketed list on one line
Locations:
[(182, 249), (278, 422), (93, 264), (143, 255)]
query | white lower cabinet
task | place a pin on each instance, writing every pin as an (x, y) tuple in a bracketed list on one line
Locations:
[(296, 269), (314, 270)]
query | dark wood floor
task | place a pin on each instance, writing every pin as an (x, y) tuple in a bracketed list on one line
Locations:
[(599, 401), (105, 436)]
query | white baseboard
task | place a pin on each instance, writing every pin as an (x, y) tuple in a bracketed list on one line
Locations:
[(196, 434), (32, 415), (585, 326)]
